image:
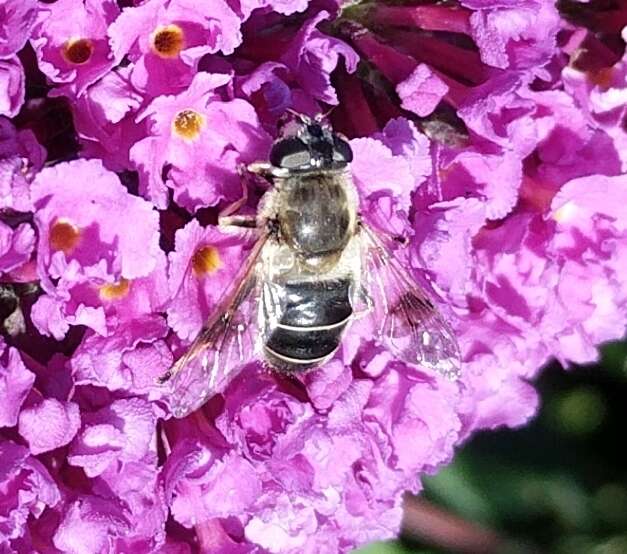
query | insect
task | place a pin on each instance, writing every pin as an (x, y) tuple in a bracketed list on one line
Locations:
[(315, 267)]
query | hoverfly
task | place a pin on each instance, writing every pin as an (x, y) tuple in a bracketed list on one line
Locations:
[(316, 265)]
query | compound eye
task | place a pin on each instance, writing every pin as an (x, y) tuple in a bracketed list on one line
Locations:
[(290, 153), (342, 151)]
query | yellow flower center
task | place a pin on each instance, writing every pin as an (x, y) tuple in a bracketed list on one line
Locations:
[(206, 260), (168, 41), (188, 124), (115, 291), (77, 50), (64, 235)]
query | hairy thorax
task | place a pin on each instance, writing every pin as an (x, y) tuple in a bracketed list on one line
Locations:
[(317, 218)]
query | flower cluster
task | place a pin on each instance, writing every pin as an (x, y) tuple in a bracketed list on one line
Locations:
[(491, 134)]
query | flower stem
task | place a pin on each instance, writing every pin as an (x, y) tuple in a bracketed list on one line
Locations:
[(433, 525)]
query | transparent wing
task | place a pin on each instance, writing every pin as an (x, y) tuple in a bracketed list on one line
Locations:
[(401, 313), (227, 342)]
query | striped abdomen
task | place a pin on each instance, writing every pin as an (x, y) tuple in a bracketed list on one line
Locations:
[(311, 324)]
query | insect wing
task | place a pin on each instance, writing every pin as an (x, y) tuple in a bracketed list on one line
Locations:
[(228, 341), (402, 314)]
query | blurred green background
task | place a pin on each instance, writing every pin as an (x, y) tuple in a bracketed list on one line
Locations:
[(558, 485)]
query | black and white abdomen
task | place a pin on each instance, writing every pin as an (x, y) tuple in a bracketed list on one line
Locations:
[(306, 322)]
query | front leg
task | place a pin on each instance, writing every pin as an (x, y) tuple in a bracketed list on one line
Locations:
[(235, 206), (227, 218), (267, 170)]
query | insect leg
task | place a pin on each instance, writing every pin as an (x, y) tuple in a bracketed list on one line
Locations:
[(235, 206), (227, 217), (249, 221), (266, 170)]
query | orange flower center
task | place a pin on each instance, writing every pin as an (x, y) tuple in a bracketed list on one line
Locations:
[(188, 124), (206, 260), (64, 235), (78, 50), (168, 41), (602, 77), (115, 291)]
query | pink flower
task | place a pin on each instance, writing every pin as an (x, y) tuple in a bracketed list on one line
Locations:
[(198, 141), (164, 39), (27, 490), (21, 156), (377, 170), (15, 384), (198, 484), (74, 51), (121, 432), (17, 18), (267, 90), (312, 56), (12, 86), (105, 119), (428, 72), (328, 468), (70, 229), (91, 524), (131, 359), (285, 7), (520, 36), (49, 424), (589, 244), (599, 85), (447, 248), (103, 274), (202, 267), (16, 246), (138, 485)]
